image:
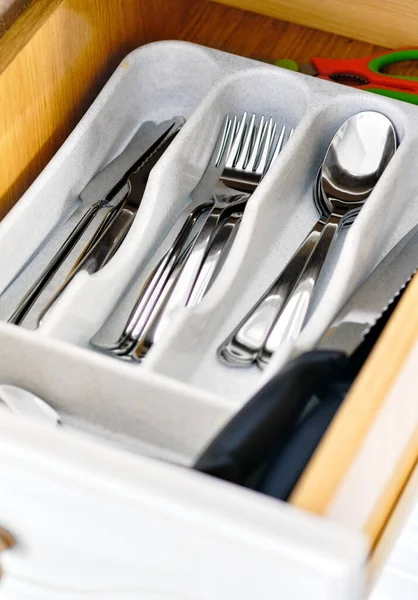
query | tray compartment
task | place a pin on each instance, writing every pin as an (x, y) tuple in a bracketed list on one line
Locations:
[(133, 95), (89, 299)]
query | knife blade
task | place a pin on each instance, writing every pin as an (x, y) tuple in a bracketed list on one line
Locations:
[(265, 423), (97, 255), (103, 193)]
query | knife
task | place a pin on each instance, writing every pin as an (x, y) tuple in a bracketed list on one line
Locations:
[(107, 190), (281, 475), (262, 428), (96, 255)]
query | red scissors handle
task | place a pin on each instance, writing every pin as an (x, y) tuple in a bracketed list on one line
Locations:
[(368, 68)]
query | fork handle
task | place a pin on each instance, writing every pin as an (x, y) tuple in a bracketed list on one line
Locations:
[(191, 276), (191, 267), (157, 287), (156, 282), (292, 316), (242, 346), (177, 294), (215, 257)]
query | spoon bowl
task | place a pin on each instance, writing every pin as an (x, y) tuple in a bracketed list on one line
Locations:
[(357, 156)]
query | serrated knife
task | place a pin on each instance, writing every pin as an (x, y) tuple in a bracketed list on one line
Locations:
[(262, 429)]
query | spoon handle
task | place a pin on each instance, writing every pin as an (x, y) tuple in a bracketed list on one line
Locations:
[(242, 346), (291, 317)]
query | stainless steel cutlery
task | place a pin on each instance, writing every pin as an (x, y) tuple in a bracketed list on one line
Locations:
[(164, 268), (352, 167), (355, 160), (269, 424), (244, 152), (107, 241), (120, 198), (190, 257)]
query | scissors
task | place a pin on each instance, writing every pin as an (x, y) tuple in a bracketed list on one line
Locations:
[(364, 73)]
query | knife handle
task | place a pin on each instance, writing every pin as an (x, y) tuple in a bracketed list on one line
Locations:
[(283, 472), (33, 293), (265, 423), (98, 254)]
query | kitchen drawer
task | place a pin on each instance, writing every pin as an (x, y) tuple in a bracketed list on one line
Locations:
[(92, 517)]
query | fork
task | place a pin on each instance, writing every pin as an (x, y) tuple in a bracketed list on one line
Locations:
[(252, 153), (164, 262)]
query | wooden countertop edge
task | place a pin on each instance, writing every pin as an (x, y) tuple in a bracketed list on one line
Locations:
[(24, 28), (387, 23)]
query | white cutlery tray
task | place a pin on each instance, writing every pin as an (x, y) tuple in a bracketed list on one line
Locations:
[(172, 404)]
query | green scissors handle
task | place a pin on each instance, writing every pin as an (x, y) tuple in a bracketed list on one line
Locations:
[(377, 63)]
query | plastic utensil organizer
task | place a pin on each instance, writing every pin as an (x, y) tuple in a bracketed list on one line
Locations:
[(91, 504)]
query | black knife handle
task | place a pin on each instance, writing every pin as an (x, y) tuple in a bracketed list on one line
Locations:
[(264, 424), (284, 470)]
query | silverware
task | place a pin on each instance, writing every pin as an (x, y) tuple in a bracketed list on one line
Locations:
[(354, 163), (253, 150), (246, 342), (104, 193), (215, 257), (108, 241), (266, 424), (251, 155), (220, 245), (172, 248), (242, 346)]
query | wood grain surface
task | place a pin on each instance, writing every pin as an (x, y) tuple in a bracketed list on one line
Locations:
[(54, 78), (9, 12), (19, 24), (389, 23)]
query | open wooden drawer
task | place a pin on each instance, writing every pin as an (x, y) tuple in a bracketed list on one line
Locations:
[(84, 512)]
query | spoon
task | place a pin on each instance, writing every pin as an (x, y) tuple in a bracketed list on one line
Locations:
[(22, 402), (355, 160), (243, 345)]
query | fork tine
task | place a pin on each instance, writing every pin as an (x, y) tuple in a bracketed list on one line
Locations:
[(246, 147), (222, 141), (279, 145), (256, 147), (265, 147), (237, 143)]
